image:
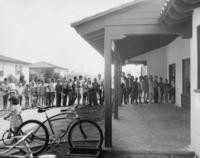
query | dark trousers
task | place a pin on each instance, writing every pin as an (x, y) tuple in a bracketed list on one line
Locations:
[(52, 98), (64, 99), (48, 98), (128, 94), (26, 101), (100, 97), (58, 99), (124, 95), (5, 101), (155, 95), (70, 94), (92, 97), (20, 99)]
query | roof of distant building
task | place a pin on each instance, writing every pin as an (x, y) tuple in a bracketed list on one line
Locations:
[(44, 64), (11, 60)]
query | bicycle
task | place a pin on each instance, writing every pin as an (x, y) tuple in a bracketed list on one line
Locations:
[(79, 132), (7, 137), (39, 138), (23, 148)]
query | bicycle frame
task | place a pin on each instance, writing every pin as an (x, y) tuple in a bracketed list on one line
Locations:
[(28, 152), (53, 118)]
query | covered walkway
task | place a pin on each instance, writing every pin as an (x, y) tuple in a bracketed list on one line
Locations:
[(155, 128)]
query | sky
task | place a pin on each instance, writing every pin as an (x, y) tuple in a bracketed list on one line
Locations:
[(39, 30)]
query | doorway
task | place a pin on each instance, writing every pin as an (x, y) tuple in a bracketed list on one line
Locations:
[(185, 97)]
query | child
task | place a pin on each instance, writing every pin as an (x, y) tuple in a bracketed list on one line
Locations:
[(15, 114)]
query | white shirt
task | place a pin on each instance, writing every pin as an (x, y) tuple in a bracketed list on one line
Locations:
[(16, 119)]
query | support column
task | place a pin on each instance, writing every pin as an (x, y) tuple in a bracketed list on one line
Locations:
[(108, 103), (116, 88), (119, 94)]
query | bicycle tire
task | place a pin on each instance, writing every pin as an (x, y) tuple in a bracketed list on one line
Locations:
[(40, 133), (7, 137), (88, 128)]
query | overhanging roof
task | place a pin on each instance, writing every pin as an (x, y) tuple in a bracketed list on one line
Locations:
[(143, 14), (176, 13)]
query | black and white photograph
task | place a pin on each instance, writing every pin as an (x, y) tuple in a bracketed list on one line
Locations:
[(100, 78)]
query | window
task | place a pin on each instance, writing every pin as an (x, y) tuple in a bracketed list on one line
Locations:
[(198, 57)]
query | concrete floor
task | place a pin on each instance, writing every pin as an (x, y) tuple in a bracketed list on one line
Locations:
[(152, 127)]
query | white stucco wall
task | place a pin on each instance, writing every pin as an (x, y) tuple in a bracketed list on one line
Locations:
[(9, 68), (195, 97), (178, 50), (156, 62)]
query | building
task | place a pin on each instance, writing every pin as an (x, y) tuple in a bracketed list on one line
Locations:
[(163, 34), (14, 67), (40, 68)]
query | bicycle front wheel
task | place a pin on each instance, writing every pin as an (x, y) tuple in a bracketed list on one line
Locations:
[(39, 138), (8, 137), (85, 133)]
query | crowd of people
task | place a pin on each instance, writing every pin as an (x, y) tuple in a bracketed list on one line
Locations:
[(87, 91), (146, 89), (62, 92)]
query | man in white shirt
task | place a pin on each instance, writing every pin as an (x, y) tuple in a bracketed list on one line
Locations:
[(100, 88)]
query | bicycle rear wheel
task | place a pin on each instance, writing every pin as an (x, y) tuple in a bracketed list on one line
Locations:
[(39, 139), (85, 133), (8, 137)]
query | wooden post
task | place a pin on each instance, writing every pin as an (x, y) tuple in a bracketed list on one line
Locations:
[(119, 93), (116, 88), (108, 103)]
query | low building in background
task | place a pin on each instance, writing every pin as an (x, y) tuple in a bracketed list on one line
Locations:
[(44, 70), (10, 67)]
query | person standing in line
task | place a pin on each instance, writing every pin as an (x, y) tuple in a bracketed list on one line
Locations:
[(42, 93), (79, 89), (70, 92), (20, 91), (140, 90), (161, 86), (65, 91), (128, 87), (146, 89), (94, 92), (155, 89), (58, 93), (123, 90), (53, 92), (85, 91), (33, 94), (172, 91), (151, 92), (135, 91), (5, 93), (38, 92), (27, 92), (100, 88), (48, 93), (74, 87), (166, 90), (90, 91)]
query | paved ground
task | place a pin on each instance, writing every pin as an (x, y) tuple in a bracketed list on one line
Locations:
[(139, 128), (152, 128)]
